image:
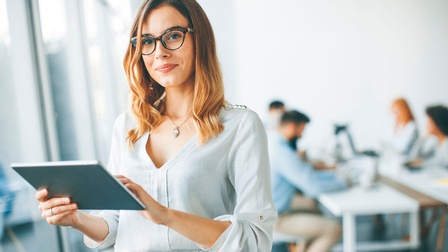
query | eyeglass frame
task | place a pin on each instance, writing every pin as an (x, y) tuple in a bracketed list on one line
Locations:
[(175, 28)]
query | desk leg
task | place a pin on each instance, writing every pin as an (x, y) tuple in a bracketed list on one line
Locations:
[(441, 229), (349, 233), (414, 229)]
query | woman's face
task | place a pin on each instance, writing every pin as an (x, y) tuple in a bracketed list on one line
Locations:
[(169, 68), (431, 127), (397, 112)]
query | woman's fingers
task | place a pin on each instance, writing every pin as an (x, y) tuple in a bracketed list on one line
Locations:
[(58, 210), (61, 218), (155, 211), (41, 194), (53, 202), (123, 179), (63, 209), (134, 188)]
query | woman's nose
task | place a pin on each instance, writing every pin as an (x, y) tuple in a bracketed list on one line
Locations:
[(160, 51)]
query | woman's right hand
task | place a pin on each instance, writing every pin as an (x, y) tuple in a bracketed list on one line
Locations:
[(58, 211)]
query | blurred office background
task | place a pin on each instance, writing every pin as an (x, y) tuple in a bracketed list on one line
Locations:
[(62, 83)]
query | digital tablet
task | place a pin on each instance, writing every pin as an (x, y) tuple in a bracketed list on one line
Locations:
[(86, 183)]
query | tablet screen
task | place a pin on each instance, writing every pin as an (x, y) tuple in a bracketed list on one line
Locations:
[(86, 183)]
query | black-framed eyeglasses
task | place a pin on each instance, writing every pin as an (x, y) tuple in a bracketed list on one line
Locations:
[(172, 39)]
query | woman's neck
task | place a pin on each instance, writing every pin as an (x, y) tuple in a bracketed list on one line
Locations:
[(440, 137), (403, 122), (179, 102)]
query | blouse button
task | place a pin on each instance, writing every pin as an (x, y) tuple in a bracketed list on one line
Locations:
[(260, 217)]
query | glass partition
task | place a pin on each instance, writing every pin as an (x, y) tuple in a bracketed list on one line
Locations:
[(61, 87), (21, 134)]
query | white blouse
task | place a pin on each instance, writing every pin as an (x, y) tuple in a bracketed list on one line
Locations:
[(226, 179), (441, 155), (405, 138), (431, 151)]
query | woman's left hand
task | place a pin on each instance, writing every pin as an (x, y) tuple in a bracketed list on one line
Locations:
[(320, 165), (154, 211)]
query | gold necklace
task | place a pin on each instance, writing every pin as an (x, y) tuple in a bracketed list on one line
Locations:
[(176, 131)]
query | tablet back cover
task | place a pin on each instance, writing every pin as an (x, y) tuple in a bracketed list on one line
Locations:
[(86, 183)]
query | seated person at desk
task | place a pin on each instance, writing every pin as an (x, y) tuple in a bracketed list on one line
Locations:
[(6, 194), (405, 131), (276, 110), (6, 200), (437, 128), (290, 173)]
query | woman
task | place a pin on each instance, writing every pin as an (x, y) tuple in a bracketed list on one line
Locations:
[(433, 150), (198, 164), (405, 130)]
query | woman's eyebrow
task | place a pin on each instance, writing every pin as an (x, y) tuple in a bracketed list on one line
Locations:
[(172, 27)]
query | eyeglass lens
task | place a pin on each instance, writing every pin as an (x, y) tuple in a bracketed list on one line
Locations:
[(171, 40)]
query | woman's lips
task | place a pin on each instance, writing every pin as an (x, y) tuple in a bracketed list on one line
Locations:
[(165, 68)]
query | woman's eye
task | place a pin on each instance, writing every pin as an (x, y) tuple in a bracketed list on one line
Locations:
[(174, 35), (147, 41)]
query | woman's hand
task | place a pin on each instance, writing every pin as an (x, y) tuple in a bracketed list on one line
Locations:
[(57, 211), (416, 163), (154, 211), (320, 165), (198, 229)]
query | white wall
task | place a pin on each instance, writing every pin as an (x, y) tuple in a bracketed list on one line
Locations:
[(339, 61), (222, 17)]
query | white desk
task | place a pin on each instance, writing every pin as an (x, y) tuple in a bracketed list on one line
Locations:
[(377, 200), (422, 181)]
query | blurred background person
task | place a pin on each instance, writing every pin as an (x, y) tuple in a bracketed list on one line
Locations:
[(6, 200), (290, 174), (276, 110), (405, 129), (432, 150)]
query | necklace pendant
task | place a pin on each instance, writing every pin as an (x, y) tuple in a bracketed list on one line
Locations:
[(176, 132)]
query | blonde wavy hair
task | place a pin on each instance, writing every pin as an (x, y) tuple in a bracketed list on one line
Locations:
[(146, 93)]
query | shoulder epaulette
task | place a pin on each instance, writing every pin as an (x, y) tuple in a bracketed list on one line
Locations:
[(231, 106)]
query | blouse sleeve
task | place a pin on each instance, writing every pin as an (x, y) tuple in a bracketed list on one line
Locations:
[(439, 157), (425, 148), (303, 176), (254, 214), (110, 216)]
